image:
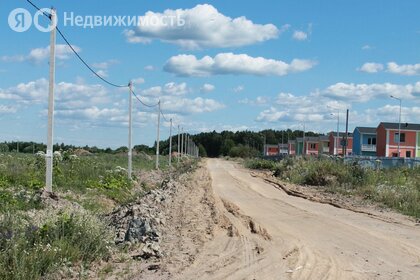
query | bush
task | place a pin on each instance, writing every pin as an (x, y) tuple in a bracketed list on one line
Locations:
[(260, 164), (28, 251)]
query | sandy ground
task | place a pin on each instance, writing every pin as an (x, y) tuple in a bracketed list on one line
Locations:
[(271, 235), (227, 223)]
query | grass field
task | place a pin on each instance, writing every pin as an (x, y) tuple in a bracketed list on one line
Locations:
[(397, 188), (36, 243)]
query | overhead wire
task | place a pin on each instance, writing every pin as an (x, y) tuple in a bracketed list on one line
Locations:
[(90, 68), (75, 52)]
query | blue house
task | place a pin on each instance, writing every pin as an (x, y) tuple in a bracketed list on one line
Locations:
[(364, 141)]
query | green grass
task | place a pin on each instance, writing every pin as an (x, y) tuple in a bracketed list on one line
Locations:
[(29, 251), (103, 172), (397, 188)]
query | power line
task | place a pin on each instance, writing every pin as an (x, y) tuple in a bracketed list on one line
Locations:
[(147, 105), (76, 53), (166, 120), (35, 6)]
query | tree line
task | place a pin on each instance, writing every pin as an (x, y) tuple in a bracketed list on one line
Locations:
[(210, 144)]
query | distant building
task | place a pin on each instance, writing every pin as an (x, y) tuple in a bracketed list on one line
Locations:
[(364, 141), (292, 147), (271, 150), (299, 146), (323, 145), (311, 146), (388, 138), (337, 144)]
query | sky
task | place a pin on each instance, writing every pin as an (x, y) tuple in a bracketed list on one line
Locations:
[(215, 65)]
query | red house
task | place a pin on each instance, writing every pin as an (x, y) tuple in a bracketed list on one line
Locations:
[(336, 143), (311, 145), (388, 137)]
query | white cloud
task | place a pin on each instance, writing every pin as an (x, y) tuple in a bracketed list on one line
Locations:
[(260, 100), (204, 27), (190, 106), (229, 63), (365, 92), (371, 67), (102, 73), (40, 54), (238, 89), (7, 109), (149, 68), (271, 115), (138, 81), (406, 69), (300, 35), (104, 65), (168, 89), (206, 88), (367, 47)]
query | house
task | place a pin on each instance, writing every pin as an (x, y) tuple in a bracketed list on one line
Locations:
[(337, 144), (271, 150), (299, 146), (323, 145), (364, 141), (283, 149), (292, 147), (311, 145), (388, 138)]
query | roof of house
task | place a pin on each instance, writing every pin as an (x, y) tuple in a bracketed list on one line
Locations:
[(324, 138), (366, 130), (311, 139), (406, 126), (341, 134), (291, 141), (299, 139)]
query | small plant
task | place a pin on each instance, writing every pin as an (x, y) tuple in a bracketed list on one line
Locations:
[(28, 251)]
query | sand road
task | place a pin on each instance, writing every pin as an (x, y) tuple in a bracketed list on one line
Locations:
[(275, 236)]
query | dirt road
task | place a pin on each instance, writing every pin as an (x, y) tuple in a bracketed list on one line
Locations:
[(270, 235)]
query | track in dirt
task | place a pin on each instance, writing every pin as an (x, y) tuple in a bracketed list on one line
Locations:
[(271, 235)]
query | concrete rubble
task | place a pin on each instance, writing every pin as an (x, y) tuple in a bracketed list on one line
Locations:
[(141, 222)]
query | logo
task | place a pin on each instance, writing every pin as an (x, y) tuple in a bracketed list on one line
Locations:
[(20, 20)]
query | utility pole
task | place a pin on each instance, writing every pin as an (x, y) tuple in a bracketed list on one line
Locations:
[(179, 144), (347, 132), (130, 128), (157, 138), (399, 124), (49, 155), (338, 130), (170, 144), (182, 141), (186, 144)]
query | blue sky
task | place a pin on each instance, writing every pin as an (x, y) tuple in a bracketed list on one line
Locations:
[(254, 65)]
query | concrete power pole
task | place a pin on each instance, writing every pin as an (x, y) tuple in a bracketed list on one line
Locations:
[(170, 144), (130, 128), (187, 137), (179, 144), (49, 155), (182, 141), (157, 138)]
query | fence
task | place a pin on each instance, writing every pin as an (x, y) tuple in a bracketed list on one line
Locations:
[(383, 162)]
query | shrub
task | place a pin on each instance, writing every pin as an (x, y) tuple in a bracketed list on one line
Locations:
[(28, 251)]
